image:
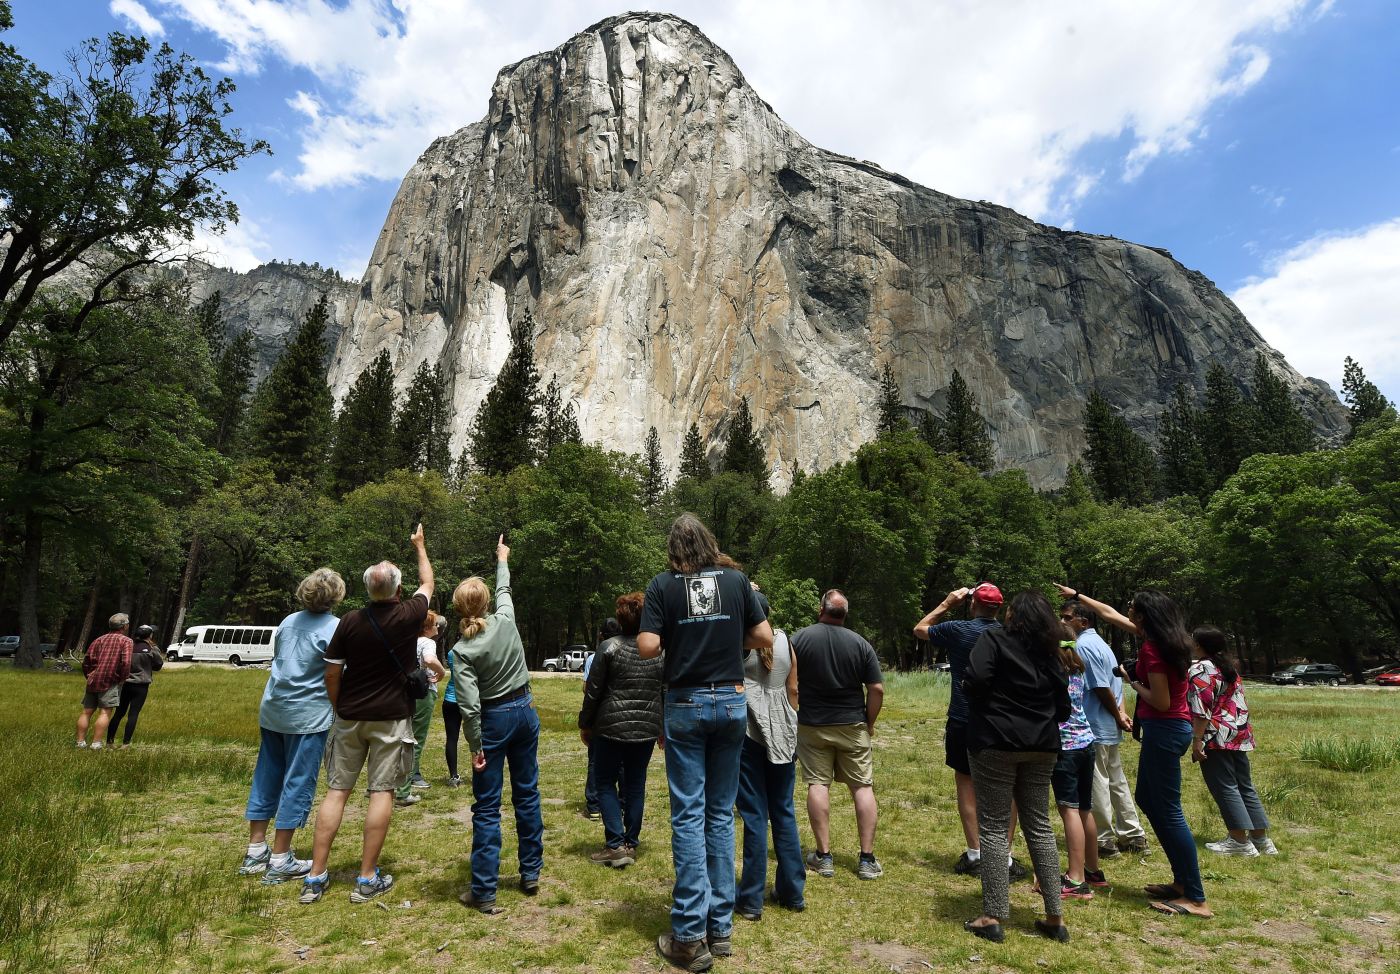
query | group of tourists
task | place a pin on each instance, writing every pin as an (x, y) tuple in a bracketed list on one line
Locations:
[(118, 671), (692, 665)]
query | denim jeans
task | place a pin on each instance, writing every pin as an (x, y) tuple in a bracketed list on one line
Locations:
[(1228, 778), (590, 784), (621, 769), (1158, 794), (704, 737), (510, 734), (284, 779), (765, 796)]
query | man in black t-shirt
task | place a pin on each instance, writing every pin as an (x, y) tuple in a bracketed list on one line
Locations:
[(704, 614), (839, 692)]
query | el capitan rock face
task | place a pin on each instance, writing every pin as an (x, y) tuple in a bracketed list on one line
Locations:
[(679, 246)]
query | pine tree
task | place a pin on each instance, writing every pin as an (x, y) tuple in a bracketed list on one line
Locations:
[(695, 463), (892, 411), (291, 422), (233, 378), (798, 476), (558, 423), (365, 447), (1364, 400), (964, 431), (507, 425), (421, 431), (208, 314), (931, 432), (1279, 425), (461, 470), (1076, 489), (1120, 462), (1225, 426), (1180, 451), (655, 483), (743, 453)]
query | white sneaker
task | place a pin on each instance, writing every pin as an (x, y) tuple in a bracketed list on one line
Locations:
[(95, 746), (81, 745), (1231, 847), (1265, 845)]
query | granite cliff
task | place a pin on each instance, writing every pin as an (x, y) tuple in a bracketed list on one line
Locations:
[(679, 246)]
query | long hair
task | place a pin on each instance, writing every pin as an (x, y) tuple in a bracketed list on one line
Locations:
[(1069, 656), (1216, 649), (1033, 621), (691, 546), (470, 600), (1163, 624)]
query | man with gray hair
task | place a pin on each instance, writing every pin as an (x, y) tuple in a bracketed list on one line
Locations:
[(367, 665), (106, 665), (839, 694)]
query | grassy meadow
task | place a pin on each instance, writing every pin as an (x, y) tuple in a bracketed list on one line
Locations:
[(125, 860)]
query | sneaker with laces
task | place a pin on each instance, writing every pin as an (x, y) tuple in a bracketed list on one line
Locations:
[(821, 863), (1016, 872), (252, 865), (313, 888), (1070, 890), (617, 858), (293, 868), (688, 955), (1264, 845), (80, 745), (407, 801), (1096, 879), (1109, 852), (1232, 847), (867, 868), (967, 867), (454, 782), (1137, 847), (95, 746), (367, 889), (419, 783)]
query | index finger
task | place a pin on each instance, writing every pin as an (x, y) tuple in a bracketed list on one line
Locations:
[(501, 539)]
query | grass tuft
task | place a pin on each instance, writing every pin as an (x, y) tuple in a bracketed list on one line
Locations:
[(1350, 753)]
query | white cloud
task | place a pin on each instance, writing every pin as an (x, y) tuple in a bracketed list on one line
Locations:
[(1334, 296), (982, 100), (241, 247), (137, 16)]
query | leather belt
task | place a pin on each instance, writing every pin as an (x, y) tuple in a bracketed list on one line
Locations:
[(506, 698)]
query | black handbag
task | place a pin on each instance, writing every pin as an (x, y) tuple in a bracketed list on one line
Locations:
[(416, 683)]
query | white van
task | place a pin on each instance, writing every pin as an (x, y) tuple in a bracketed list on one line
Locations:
[(232, 644)]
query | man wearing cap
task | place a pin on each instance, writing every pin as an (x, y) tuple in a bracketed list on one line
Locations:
[(957, 637), (106, 664)]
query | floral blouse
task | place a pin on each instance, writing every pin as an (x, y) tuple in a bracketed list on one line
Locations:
[(1075, 733), (1221, 706)]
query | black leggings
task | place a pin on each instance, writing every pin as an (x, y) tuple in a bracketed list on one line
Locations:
[(452, 720), (132, 700)]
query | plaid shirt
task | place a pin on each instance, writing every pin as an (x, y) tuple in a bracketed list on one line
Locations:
[(107, 662)]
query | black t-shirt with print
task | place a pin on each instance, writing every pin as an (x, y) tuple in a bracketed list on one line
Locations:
[(701, 619)]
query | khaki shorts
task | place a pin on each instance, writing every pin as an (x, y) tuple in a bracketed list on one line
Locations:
[(839, 752), (106, 700), (387, 744)]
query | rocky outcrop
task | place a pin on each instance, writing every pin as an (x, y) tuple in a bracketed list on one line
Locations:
[(679, 246)]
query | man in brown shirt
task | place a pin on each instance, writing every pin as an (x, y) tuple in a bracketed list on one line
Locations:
[(367, 662)]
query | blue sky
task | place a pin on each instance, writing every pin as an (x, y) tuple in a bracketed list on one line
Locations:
[(1258, 140)]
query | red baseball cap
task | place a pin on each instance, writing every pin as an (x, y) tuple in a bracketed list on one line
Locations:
[(987, 593)]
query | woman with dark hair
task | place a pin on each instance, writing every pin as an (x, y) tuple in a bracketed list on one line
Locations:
[(1018, 697), (1159, 679), (621, 723), (1221, 742)]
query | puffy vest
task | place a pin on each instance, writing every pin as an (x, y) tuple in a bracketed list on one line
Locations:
[(631, 708)]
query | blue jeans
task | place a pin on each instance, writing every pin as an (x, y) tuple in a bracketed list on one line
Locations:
[(704, 737), (622, 787), (510, 734), (284, 779), (1158, 794), (765, 796), (590, 784)]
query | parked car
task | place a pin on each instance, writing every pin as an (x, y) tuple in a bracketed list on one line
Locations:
[(1301, 673), (1390, 678), (571, 660), (9, 645)]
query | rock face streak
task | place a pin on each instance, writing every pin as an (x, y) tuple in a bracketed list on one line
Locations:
[(678, 246)]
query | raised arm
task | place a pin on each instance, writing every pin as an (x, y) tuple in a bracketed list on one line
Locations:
[(425, 567), (504, 602), (1105, 611), (921, 627)]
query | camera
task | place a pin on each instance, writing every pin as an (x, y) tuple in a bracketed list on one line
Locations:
[(1128, 668)]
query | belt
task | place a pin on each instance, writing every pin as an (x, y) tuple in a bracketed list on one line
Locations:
[(515, 694), (729, 687)]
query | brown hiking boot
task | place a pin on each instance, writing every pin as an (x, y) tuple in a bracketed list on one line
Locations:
[(688, 956), (616, 858), (719, 946)]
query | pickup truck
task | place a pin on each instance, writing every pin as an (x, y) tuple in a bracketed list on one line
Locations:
[(571, 660)]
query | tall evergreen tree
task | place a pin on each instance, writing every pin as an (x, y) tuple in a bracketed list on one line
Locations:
[(421, 431), (1120, 462), (365, 448), (1364, 400), (743, 453), (655, 484), (558, 423), (695, 463), (1180, 451), (233, 379), (291, 422), (208, 315), (964, 430), (1279, 425), (1225, 426), (507, 425), (892, 411), (931, 432)]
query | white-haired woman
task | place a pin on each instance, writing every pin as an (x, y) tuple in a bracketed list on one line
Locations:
[(295, 717)]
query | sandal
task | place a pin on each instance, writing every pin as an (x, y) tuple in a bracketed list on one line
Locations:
[(1176, 909), (1161, 891)]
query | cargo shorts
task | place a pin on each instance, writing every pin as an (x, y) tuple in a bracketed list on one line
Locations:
[(839, 752), (106, 700), (386, 745)]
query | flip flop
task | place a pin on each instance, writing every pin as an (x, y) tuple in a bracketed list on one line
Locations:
[(1161, 891), (1173, 909)]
